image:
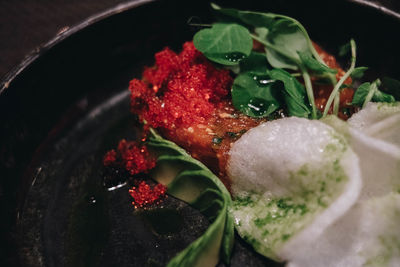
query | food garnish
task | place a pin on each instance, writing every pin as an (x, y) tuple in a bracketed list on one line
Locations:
[(290, 134)]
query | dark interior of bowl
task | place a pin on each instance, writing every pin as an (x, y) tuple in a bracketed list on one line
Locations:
[(63, 111)]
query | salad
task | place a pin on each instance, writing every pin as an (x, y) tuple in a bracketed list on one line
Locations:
[(263, 132)]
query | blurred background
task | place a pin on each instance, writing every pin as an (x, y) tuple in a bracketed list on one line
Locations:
[(27, 24)]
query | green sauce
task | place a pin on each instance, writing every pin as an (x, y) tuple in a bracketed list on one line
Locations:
[(270, 221)]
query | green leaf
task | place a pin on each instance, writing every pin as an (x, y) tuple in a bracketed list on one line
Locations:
[(285, 33), (274, 58), (370, 92), (358, 72), (280, 61), (224, 43), (284, 38), (344, 49), (226, 11), (294, 93), (255, 95), (392, 86), (380, 96), (312, 64), (256, 62), (287, 36), (360, 94), (196, 184), (256, 19)]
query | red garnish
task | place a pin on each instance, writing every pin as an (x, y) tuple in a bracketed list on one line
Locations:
[(181, 90), (130, 156), (135, 158), (110, 158), (144, 195)]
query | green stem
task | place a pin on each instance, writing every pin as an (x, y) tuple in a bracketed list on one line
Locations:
[(310, 92), (200, 25), (336, 103), (374, 87), (335, 90)]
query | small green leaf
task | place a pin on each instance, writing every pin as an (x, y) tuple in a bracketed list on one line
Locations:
[(279, 61), (288, 37), (224, 43), (256, 19), (358, 72), (274, 58), (255, 95), (256, 62), (380, 96), (314, 65), (294, 93), (392, 86), (226, 11), (360, 94), (370, 92), (344, 49)]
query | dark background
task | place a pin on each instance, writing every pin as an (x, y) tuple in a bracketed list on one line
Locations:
[(26, 24)]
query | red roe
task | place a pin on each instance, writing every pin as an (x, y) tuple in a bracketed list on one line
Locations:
[(135, 159), (110, 158), (131, 156), (180, 90), (144, 195)]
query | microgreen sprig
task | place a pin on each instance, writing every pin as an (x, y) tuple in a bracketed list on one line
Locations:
[(335, 92), (288, 46)]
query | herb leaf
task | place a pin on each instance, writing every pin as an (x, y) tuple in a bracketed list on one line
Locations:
[(256, 62), (380, 96), (360, 94), (358, 72), (314, 65), (344, 49), (294, 93), (276, 25), (224, 43), (370, 92), (284, 38), (255, 95), (392, 86)]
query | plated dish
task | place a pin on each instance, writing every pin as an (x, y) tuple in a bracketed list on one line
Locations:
[(255, 100), (97, 197)]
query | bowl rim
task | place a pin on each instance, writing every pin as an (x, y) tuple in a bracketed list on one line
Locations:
[(65, 33)]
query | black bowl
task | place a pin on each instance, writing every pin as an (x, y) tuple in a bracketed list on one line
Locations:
[(67, 103)]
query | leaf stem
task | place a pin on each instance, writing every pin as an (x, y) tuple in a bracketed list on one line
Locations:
[(336, 103), (310, 92), (374, 87), (200, 25), (335, 90)]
